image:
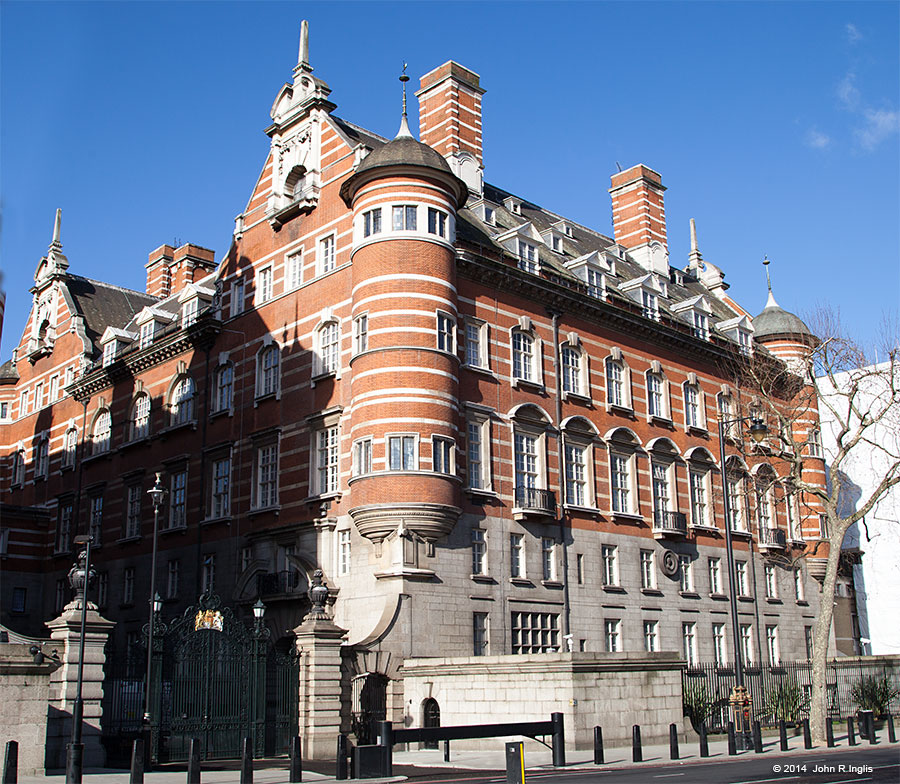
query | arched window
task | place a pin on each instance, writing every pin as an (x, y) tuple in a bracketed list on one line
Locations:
[(623, 448), (101, 433), (267, 371), (181, 405), (765, 499), (224, 387), (579, 436), (618, 382), (700, 467), (524, 357), (666, 517), (18, 467), (574, 370), (530, 425), (693, 406), (328, 343), (140, 417), (70, 444), (736, 477), (657, 394)]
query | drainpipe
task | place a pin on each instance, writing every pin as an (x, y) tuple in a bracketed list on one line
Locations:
[(561, 472)]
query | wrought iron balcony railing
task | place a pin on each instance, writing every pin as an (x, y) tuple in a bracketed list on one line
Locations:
[(670, 523), (276, 583), (534, 499), (772, 537)]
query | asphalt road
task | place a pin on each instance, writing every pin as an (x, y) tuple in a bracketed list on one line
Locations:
[(836, 767)]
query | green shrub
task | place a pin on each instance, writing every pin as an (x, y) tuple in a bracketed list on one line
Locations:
[(787, 701), (875, 694), (697, 704)]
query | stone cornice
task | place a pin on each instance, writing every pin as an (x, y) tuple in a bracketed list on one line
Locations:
[(201, 334)]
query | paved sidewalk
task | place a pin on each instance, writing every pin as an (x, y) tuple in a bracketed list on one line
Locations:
[(410, 764)]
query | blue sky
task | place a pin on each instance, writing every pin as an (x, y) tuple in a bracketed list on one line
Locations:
[(774, 125)]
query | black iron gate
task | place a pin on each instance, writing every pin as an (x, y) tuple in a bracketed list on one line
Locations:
[(215, 679)]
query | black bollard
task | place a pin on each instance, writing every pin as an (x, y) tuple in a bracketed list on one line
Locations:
[(892, 735), (446, 751), (137, 762), (296, 772), (732, 747), (851, 731), (829, 733), (782, 735), (247, 761), (870, 727), (673, 742), (598, 746), (807, 737), (11, 763), (193, 774), (340, 769), (704, 742), (757, 737), (386, 739), (559, 740), (636, 754)]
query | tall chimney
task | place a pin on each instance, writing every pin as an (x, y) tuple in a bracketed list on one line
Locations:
[(450, 118), (639, 216)]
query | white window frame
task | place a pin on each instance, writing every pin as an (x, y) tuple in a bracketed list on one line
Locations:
[(773, 648), (650, 304), (362, 456), (293, 269), (689, 642), (70, 447), (360, 333), (326, 254), (651, 636), (476, 344), (443, 455), (264, 285), (478, 445), (700, 324), (617, 376), (525, 357), (799, 587), (612, 634), (527, 257), (662, 475), (328, 345), (741, 583), (220, 488), (609, 561), (548, 559), (372, 222), (699, 485), (438, 222), (42, 458), (445, 332), (693, 406), (268, 371), (190, 310), (224, 392), (238, 296), (686, 574), (622, 496), (533, 472), (479, 552), (327, 460), (575, 372), (265, 476), (181, 406), (647, 562), (404, 217), (147, 334), (517, 570), (720, 644), (101, 432), (109, 352), (403, 439), (579, 472), (714, 570), (140, 417), (770, 577), (344, 552)]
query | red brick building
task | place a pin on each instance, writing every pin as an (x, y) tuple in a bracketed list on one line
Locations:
[(487, 424)]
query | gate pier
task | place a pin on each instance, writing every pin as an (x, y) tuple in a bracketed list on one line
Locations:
[(319, 641)]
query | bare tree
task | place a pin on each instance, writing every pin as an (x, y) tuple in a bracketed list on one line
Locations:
[(859, 400)]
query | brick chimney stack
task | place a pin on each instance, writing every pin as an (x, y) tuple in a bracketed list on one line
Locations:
[(450, 119), (169, 269), (639, 216)]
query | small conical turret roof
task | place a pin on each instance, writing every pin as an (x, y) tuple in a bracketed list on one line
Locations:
[(775, 321)]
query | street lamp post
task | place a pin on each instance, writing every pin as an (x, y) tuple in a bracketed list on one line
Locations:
[(157, 494), (80, 578), (740, 698)]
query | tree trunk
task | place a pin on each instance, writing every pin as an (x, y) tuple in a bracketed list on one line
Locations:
[(818, 708)]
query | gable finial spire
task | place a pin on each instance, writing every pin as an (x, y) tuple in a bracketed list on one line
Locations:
[(770, 302), (404, 125), (695, 259), (303, 59), (56, 242)]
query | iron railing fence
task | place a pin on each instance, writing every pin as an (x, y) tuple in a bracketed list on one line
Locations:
[(670, 522), (782, 690)]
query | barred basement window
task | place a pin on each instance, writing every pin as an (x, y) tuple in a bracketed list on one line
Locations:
[(534, 632)]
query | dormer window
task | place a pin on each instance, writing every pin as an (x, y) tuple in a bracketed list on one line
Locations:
[(109, 352), (513, 205), (745, 342), (189, 311), (650, 304), (556, 243), (148, 330), (701, 325), (596, 283), (489, 216), (528, 257)]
